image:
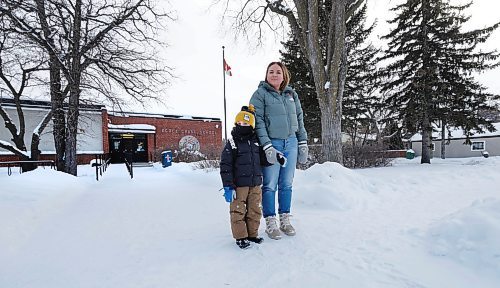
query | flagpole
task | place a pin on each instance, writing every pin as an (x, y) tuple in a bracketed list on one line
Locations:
[(224, 75)]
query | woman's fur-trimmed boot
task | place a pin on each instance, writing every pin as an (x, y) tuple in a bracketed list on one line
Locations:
[(285, 225), (272, 228)]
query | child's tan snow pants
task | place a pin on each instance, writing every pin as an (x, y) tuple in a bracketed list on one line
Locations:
[(246, 211)]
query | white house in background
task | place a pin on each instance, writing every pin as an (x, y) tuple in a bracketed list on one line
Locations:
[(481, 143)]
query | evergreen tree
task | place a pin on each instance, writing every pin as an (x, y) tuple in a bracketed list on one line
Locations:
[(361, 79), (430, 76)]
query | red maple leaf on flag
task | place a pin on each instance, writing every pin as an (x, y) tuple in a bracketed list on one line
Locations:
[(227, 68)]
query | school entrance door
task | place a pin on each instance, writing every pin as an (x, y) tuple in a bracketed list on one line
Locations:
[(130, 145)]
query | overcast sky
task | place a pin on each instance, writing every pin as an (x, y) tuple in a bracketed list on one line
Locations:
[(196, 41)]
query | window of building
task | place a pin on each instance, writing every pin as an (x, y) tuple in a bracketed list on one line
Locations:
[(478, 146), (433, 146)]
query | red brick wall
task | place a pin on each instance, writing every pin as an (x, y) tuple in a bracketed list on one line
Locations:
[(6, 158), (151, 148), (85, 158), (170, 131), (105, 134)]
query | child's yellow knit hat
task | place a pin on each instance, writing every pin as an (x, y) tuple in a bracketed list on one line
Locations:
[(247, 114)]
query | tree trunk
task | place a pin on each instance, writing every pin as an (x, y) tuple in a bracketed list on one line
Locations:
[(26, 167), (58, 117), (71, 162), (426, 121), (56, 95), (426, 140), (443, 141), (35, 142), (11, 126), (330, 96), (331, 135)]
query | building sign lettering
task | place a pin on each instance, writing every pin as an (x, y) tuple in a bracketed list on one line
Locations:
[(187, 131)]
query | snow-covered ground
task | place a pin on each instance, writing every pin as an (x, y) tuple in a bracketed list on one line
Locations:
[(408, 225)]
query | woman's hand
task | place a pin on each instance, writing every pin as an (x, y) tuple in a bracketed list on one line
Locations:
[(303, 152), (270, 153)]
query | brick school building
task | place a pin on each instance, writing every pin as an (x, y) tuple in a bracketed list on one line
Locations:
[(145, 135)]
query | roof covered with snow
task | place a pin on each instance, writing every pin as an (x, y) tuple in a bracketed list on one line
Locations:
[(159, 115), (41, 104), (458, 134), (132, 128)]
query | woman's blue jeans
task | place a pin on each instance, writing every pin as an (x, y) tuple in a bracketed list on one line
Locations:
[(277, 178)]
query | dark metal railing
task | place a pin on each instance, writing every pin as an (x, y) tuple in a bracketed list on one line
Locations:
[(10, 164), (128, 163), (101, 164)]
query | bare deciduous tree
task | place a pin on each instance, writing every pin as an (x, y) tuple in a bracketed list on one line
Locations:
[(18, 72), (104, 46)]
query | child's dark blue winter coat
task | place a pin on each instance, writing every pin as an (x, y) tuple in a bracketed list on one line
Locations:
[(240, 165)]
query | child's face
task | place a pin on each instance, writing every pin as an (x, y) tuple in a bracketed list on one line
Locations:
[(241, 123)]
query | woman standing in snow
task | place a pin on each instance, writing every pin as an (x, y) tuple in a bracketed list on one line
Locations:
[(280, 128)]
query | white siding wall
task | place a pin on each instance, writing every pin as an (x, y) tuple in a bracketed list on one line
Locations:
[(456, 148), (89, 130)]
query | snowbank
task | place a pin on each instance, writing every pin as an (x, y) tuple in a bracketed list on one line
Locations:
[(334, 187), (469, 236), (30, 200)]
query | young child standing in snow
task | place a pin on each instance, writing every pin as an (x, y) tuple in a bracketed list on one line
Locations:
[(241, 174)]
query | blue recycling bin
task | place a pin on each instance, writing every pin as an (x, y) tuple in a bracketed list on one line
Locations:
[(166, 158)]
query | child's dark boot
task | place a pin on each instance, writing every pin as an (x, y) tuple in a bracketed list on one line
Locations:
[(257, 240), (243, 243)]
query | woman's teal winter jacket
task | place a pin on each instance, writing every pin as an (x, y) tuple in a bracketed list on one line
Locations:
[(277, 115)]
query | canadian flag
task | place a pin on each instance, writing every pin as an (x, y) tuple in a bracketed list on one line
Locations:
[(227, 68)]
